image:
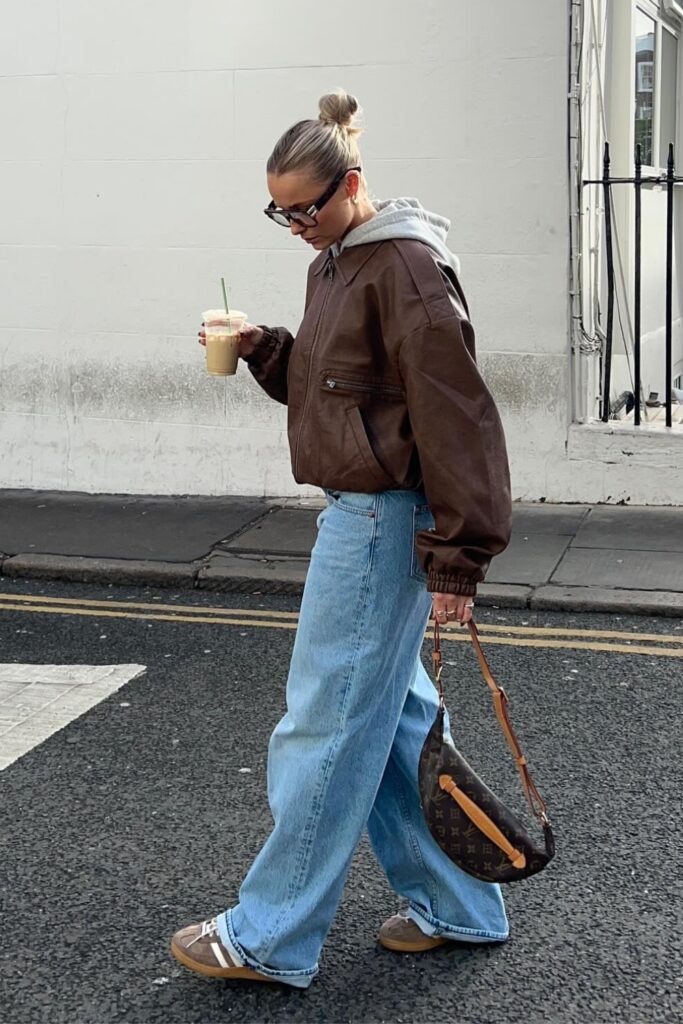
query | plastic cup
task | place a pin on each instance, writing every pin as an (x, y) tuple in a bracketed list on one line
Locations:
[(222, 340)]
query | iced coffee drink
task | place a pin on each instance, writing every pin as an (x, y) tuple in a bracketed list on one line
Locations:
[(222, 340)]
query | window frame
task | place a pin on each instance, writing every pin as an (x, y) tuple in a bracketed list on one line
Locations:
[(664, 22)]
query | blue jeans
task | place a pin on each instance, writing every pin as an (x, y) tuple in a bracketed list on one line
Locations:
[(345, 755)]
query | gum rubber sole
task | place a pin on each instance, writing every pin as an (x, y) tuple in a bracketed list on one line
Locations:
[(406, 946), (245, 973)]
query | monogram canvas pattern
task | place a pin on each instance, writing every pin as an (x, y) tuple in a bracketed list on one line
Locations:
[(457, 835)]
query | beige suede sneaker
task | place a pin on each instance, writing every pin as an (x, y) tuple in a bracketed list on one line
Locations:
[(402, 935), (198, 946)]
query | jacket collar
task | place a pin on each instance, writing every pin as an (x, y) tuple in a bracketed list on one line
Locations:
[(349, 261)]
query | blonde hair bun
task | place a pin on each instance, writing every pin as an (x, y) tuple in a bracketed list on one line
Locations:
[(338, 108)]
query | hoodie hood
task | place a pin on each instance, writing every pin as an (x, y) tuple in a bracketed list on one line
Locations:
[(402, 218)]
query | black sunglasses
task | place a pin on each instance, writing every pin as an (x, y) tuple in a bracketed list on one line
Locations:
[(305, 217)]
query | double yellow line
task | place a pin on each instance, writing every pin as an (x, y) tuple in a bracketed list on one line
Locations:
[(653, 644)]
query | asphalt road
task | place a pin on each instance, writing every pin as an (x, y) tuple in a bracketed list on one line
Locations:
[(137, 819)]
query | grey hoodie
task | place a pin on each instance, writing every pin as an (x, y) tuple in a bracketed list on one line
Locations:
[(402, 218)]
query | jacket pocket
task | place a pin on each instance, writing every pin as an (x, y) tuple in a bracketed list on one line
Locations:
[(422, 520), (341, 383), (380, 477)]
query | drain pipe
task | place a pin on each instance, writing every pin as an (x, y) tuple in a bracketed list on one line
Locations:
[(579, 411)]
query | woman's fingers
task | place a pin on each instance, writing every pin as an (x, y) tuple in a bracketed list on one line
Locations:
[(451, 608), (250, 331), (465, 616), (250, 336)]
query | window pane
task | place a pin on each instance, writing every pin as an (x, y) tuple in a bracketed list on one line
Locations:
[(667, 130), (645, 66)]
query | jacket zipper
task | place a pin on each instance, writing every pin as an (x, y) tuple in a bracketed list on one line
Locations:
[(329, 273), (332, 382)]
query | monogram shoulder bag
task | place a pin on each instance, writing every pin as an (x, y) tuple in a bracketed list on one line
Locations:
[(468, 821)]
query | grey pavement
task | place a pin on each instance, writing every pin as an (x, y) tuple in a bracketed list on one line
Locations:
[(144, 813), (564, 557)]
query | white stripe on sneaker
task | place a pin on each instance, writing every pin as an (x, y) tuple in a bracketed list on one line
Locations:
[(218, 953)]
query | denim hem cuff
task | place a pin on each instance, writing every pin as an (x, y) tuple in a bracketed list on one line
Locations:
[(298, 979), (433, 926)]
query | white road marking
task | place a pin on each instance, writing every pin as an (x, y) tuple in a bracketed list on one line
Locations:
[(38, 700)]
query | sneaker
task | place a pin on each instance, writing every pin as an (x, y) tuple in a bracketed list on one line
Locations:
[(199, 947), (402, 935)]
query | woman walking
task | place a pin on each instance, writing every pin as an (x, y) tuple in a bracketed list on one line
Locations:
[(388, 414)]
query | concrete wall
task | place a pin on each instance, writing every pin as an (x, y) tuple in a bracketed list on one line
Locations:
[(134, 143)]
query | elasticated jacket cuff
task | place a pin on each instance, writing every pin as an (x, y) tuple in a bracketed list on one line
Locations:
[(442, 584)]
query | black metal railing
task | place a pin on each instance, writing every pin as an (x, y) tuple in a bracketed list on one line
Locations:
[(669, 180)]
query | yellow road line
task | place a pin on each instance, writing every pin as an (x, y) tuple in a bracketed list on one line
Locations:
[(154, 605), (577, 645), (135, 615), (533, 631), (598, 634), (652, 651)]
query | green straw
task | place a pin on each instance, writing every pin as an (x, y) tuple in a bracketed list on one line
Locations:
[(225, 297)]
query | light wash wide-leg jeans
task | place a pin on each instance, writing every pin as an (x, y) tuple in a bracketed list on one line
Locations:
[(345, 755)]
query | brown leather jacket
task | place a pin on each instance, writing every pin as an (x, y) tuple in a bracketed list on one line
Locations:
[(383, 392)]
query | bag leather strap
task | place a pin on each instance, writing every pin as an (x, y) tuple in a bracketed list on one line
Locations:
[(500, 704), (482, 821)]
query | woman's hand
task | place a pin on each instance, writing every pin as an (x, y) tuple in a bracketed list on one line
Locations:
[(451, 608), (250, 336)]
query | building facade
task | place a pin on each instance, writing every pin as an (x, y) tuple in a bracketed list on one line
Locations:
[(626, 88), (133, 177)]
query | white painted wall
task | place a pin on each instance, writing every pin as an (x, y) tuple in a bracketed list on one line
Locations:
[(132, 177)]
